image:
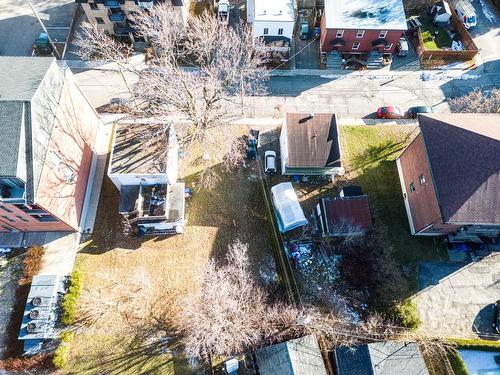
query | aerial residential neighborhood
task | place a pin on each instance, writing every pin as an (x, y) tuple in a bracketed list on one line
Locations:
[(281, 187)]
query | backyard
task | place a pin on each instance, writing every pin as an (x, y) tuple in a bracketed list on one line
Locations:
[(385, 263), (434, 37), (174, 265)]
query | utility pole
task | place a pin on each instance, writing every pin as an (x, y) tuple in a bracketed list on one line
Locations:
[(45, 31)]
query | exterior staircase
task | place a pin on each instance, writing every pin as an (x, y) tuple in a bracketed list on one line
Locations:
[(375, 60), (334, 60)]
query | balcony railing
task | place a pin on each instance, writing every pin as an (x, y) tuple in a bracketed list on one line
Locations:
[(116, 15), (113, 4)]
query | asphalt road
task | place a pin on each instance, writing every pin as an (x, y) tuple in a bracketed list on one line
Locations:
[(19, 28), (486, 34), (355, 94)]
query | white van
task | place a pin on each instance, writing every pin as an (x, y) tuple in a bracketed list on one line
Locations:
[(465, 12)]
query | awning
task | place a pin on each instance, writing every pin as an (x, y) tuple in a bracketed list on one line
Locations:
[(338, 42), (380, 42)]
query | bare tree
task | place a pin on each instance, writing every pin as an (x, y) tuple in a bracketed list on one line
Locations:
[(199, 73), (477, 102)]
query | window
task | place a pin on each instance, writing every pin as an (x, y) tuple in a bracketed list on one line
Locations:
[(382, 34), (421, 178), (266, 31), (8, 218), (340, 33), (22, 218), (355, 45), (360, 34), (7, 228), (99, 20), (5, 209), (45, 218), (93, 6), (412, 187), (280, 31), (388, 47)]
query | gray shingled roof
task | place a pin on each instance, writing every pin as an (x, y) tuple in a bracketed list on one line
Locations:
[(464, 156), (381, 358), (301, 356), (11, 114), (21, 76)]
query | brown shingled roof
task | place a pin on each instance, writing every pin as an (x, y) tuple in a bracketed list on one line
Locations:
[(342, 211), (464, 156), (312, 142)]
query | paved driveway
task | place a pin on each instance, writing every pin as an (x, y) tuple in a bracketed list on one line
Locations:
[(457, 300), (19, 27), (487, 34)]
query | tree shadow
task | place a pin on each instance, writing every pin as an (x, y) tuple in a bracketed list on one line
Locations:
[(483, 323), (377, 153)]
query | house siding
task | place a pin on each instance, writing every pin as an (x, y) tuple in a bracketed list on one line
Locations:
[(21, 218), (365, 43), (423, 203)]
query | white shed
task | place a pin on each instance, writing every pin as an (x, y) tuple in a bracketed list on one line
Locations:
[(271, 18), (134, 162), (441, 12), (287, 207)]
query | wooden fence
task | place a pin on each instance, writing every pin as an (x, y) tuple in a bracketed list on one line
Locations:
[(428, 56)]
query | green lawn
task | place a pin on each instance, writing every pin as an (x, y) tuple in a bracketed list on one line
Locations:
[(434, 37), (372, 151)]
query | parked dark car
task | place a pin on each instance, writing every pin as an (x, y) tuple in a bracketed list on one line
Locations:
[(389, 112), (496, 318), (414, 111)]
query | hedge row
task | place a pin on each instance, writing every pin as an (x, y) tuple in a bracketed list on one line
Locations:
[(70, 299)]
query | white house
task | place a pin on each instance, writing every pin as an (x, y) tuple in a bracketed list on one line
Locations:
[(151, 199), (271, 18)]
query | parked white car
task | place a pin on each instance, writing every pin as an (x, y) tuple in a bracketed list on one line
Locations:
[(223, 10), (270, 162)]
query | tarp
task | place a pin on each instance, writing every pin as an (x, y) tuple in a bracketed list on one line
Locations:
[(287, 207)]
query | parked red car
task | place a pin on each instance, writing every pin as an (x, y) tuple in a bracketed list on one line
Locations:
[(389, 112)]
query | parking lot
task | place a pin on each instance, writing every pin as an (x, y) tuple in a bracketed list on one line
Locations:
[(19, 26), (457, 300)]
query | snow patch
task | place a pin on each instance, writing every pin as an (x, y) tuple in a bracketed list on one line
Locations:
[(488, 13), (447, 76)]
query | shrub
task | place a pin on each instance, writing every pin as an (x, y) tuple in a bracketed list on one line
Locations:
[(61, 354), (32, 264), (406, 313), (70, 300), (457, 364), (477, 344)]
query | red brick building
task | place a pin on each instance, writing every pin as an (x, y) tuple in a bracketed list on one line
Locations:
[(47, 133), (450, 175), (361, 26)]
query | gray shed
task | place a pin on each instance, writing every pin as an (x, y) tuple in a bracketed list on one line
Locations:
[(301, 356)]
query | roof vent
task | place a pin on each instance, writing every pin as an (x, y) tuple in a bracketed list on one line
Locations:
[(305, 119)]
